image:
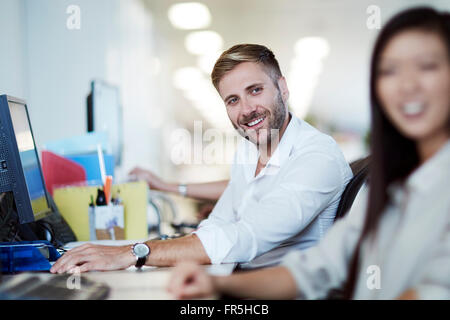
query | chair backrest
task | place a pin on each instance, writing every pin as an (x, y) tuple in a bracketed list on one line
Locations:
[(360, 169)]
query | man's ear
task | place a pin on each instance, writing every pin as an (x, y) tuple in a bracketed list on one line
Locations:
[(282, 84)]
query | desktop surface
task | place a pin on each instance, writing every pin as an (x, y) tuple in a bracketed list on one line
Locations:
[(147, 283)]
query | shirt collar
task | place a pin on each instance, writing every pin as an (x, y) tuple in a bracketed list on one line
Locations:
[(281, 154), (284, 148), (423, 178), (432, 171)]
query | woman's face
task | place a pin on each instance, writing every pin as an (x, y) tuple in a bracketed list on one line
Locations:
[(413, 84)]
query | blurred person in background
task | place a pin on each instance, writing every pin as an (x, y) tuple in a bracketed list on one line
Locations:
[(400, 247)]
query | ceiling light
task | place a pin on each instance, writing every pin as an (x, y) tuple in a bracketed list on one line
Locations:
[(203, 42), (189, 15)]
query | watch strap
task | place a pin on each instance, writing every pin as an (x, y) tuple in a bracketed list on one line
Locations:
[(140, 262)]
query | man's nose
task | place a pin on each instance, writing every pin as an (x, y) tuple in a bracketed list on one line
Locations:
[(248, 107)]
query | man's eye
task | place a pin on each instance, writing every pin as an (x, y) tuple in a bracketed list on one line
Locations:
[(232, 101), (256, 90)]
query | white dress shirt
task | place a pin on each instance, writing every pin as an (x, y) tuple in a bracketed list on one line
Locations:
[(411, 249), (291, 203)]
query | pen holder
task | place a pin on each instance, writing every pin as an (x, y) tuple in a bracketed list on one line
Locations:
[(106, 222)]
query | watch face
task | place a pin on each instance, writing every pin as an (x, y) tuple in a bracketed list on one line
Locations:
[(141, 250)]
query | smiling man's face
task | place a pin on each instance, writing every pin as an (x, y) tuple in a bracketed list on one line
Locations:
[(255, 105)]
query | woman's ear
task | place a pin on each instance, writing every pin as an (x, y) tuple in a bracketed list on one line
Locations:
[(283, 89)]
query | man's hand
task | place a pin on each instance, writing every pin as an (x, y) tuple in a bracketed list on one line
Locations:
[(153, 181), (95, 257), (189, 280)]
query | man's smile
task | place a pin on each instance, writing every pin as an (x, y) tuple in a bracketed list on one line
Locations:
[(255, 123)]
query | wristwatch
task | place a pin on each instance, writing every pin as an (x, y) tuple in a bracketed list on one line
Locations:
[(141, 251)]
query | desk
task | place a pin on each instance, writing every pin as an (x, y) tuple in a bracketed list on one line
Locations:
[(149, 283), (146, 284)]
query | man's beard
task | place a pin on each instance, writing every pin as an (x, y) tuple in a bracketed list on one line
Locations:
[(275, 122)]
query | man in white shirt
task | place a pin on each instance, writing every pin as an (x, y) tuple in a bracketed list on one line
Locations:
[(285, 186), (290, 204)]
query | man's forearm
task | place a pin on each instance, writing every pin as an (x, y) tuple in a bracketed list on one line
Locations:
[(167, 253), (270, 283), (201, 191)]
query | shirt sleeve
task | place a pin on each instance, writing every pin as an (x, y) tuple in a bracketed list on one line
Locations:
[(435, 282), (221, 213), (210, 232), (306, 189), (319, 269)]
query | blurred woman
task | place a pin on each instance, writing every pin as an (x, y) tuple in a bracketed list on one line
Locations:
[(400, 246)]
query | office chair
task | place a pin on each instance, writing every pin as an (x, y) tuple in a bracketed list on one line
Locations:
[(157, 199), (360, 169)]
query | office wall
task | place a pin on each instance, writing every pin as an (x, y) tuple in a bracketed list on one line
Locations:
[(12, 48), (51, 66)]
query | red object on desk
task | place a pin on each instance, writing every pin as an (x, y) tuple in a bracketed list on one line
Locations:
[(59, 171)]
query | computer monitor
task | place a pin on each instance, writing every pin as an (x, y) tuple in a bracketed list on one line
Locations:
[(104, 113), (20, 169)]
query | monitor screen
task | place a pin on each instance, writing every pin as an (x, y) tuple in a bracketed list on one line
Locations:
[(29, 159)]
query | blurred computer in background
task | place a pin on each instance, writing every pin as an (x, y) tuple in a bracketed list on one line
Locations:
[(104, 114)]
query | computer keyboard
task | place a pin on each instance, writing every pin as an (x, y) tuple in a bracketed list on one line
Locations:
[(32, 286)]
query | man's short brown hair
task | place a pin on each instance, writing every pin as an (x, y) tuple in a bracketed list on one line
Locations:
[(240, 53)]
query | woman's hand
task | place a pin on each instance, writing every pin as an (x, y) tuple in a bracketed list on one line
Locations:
[(189, 281), (153, 180)]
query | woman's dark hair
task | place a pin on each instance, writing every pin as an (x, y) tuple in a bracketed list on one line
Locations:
[(393, 156)]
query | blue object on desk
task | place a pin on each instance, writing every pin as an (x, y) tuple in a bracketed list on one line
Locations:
[(27, 256), (91, 164), (83, 144)]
